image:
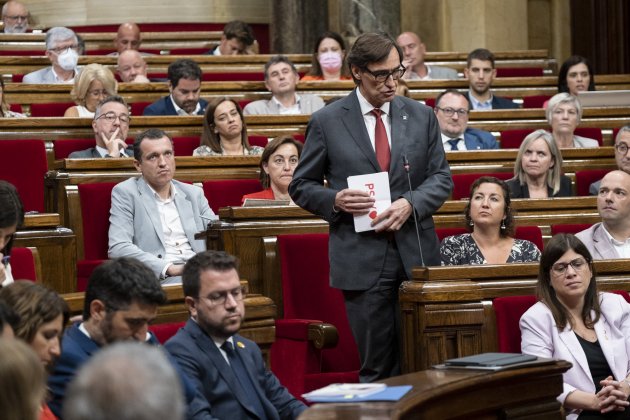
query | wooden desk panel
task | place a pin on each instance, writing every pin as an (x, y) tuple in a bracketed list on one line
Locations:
[(443, 394)]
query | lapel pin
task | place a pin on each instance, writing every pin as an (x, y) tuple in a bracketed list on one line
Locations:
[(240, 344), (404, 117)]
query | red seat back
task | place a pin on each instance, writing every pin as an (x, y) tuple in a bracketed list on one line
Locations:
[(24, 165), (462, 182), (446, 232), (535, 101), (519, 71), (590, 132), (96, 200), (508, 311), (137, 108), (185, 146), (228, 192), (569, 228), (307, 294), (23, 264), (584, 179), (165, 331), (51, 109), (622, 293), (512, 139), (530, 233), (258, 140)]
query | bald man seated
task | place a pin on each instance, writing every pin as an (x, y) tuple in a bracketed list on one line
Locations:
[(610, 238), (131, 67), (414, 51), (128, 37)]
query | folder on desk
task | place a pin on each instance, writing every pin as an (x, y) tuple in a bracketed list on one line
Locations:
[(491, 361)]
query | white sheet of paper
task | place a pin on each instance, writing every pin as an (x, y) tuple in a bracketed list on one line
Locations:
[(377, 185)]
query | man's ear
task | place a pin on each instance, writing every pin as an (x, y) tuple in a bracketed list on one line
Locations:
[(191, 304), (466, 72), (136, 163), (170, 87), (98, 310)]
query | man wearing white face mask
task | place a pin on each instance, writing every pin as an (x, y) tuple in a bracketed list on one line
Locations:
[(61, 50), (328, 56)]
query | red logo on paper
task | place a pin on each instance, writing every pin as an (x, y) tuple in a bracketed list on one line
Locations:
[(373, 214)]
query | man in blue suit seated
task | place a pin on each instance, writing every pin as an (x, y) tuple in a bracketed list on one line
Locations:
[(451, 110), (480, 72), (226, 367), (121, 300), (184, 83)]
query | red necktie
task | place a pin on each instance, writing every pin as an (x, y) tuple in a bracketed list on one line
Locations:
[(381, 145)]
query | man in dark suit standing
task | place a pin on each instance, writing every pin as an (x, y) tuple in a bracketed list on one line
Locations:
[(224, 366), (480, 73), (373, 130), (184, 83)]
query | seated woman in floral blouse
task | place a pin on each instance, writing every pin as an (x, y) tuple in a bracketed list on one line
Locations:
[(491, 224)]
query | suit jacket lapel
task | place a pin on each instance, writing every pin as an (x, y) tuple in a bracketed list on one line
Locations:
[(353, 120), (186, 215), (602, 330), (147, 199), (602, 244), (210, 349), (399, 119)]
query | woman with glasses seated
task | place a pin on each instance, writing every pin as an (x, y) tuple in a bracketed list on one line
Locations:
[(224, 131), (277, 163), (538, 169), (574, 322), (564, 113), (95, 83), (491, 224)]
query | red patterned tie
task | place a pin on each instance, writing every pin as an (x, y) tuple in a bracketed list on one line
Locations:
[(381, 145)]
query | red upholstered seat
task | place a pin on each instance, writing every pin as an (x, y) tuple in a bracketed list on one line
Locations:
[(309, 299), (462, 182), (299, 137), (233, 76), (137, 108), (258, 140), (512, 139), (184, 146), (16, 108), (623, 293), (446, 232), (50, 109), (228, 192), (519, 71), (24, 264), (244, 102), (96, 200), (590, 132), (535, 101), (430, 102), (165, 331), (569, 228), (508, 311), (584, 179), (24, 165)]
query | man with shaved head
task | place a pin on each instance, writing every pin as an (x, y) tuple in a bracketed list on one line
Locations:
[(127, 38), (414, 51), (131, 67), (611, 237)]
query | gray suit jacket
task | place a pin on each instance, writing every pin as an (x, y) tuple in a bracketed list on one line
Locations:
[(308, 105), (439, 72), (597, 243), (135, 228), (93, 153), (338, 146), (44, 75)]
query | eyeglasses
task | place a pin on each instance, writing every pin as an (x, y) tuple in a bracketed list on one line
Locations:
[(560, 268), (60, 50), (110, 117), (621, 148), (17, 17), (219, 298), (382, 75), (97, 93), (280, 162), (450, 111)]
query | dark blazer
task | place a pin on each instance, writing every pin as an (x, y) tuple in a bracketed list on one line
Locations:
[(93, 153), (497, 102), (479, 140), (164, 106), (522, 191), (200, 358), (338, 146), (77, 348)]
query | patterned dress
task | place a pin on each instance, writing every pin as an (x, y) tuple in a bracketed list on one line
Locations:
[(463, 250), (206, 151)]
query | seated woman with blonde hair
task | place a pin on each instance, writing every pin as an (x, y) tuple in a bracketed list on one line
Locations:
[(277, 164), (574, 322), (538, 169), (491, 224), (224, 131), (95, 83)]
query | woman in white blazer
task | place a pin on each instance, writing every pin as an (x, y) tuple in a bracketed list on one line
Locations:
[(591, 330)]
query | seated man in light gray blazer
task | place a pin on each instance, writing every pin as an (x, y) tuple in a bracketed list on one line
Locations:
[(110, 125), (62, 48), (610, 238), (281, 79), (154, 218)]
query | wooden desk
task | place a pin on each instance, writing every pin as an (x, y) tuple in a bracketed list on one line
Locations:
[(56, 246), (444, 394), (447, 311)]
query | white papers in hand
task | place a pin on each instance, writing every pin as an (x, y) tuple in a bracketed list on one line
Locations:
[(377, 185)]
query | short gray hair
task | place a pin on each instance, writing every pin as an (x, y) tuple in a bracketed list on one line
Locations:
[(624, 129), (563, 98), (126, 381), (58, 34)]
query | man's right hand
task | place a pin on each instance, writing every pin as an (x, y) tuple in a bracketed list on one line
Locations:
[(114, 144), (353, 201), (175, 270)]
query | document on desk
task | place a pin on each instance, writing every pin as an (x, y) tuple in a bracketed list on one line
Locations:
[(357, 393), (377, 185), (493, 361)]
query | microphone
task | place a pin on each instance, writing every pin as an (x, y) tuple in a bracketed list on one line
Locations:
[(413, 210)]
